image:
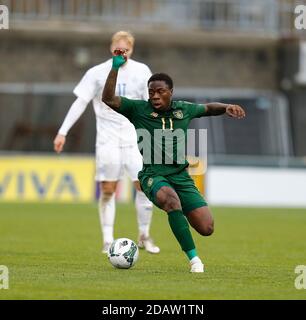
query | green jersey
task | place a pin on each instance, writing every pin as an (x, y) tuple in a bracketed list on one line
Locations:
[(162, 135)]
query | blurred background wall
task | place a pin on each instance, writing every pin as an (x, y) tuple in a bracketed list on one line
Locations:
[(245, 52)]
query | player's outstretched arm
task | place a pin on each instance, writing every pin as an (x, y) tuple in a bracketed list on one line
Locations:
[(76, 110), (108, 95), (217, 108)]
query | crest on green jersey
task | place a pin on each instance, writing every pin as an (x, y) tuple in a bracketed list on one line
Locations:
[(178, 114), (150, 182), (154, 114)]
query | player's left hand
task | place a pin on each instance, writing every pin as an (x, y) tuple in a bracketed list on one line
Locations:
[(235, 111)]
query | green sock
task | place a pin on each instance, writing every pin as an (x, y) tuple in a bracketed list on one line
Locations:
[(180, 228), (192, 253)]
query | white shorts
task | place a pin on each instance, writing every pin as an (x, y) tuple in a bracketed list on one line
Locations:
[(111, 161)]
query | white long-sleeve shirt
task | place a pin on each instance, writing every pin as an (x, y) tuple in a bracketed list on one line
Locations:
[(112, 127)]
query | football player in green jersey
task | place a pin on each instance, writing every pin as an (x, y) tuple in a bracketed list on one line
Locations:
[(167, 183)]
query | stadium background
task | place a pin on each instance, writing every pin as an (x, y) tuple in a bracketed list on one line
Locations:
[(245, 52)]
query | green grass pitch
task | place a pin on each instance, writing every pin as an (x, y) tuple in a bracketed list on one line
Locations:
[(53, 251)]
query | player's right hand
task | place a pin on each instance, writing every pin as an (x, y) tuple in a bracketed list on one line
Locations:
[(119, 58), (59, 143)]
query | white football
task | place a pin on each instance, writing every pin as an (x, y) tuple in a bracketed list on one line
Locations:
[(123, 253)]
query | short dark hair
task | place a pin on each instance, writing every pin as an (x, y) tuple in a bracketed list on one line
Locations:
[(162, 77)]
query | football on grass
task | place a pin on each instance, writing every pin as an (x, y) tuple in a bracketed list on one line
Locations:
[(123, 253)]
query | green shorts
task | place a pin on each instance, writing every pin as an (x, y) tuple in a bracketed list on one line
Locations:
[(182, 184)]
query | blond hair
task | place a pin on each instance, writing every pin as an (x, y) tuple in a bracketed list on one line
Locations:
[(123, 35)]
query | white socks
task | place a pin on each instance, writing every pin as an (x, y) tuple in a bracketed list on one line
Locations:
[(107, 216), (144, 208)]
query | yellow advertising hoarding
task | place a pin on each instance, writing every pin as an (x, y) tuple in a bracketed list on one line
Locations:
[(50, 178), (197, 170), (62, 179)]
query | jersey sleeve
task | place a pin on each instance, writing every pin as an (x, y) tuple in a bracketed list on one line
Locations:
[(128, 108), (197, 110), (87, 87), (74, 113)]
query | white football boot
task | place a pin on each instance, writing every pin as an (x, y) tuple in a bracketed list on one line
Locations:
[(196, 265), (106, 246), (148, 245)]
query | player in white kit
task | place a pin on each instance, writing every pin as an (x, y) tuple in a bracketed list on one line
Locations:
[(116, 140)]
